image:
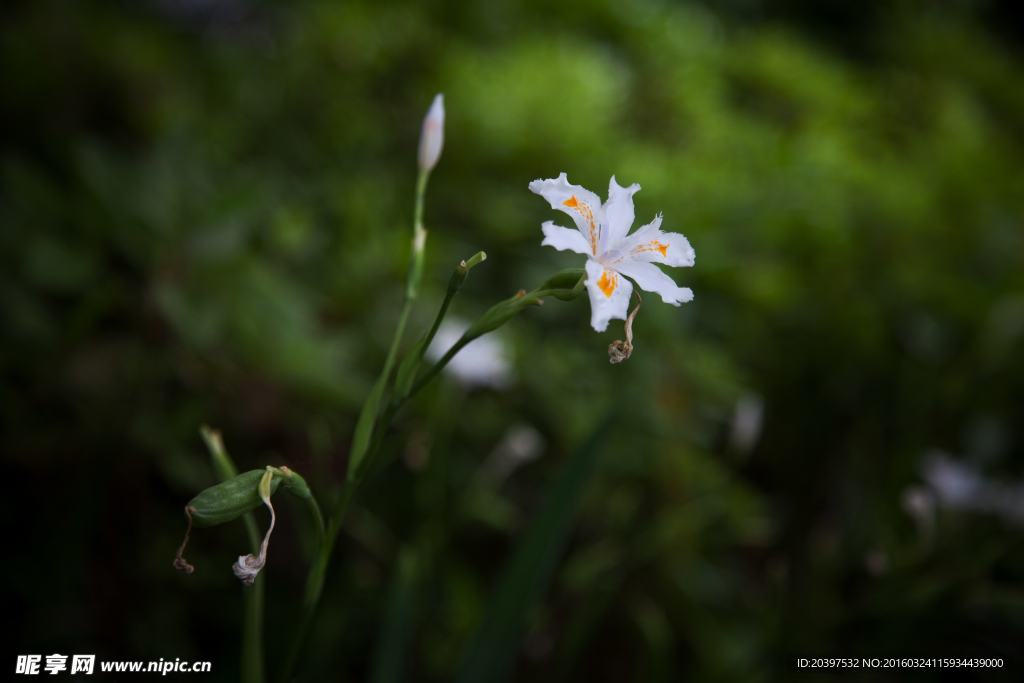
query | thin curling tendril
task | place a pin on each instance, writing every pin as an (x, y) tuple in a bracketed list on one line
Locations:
[(180, 563)]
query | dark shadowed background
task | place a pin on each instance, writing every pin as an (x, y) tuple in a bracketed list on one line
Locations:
[(205, 211)]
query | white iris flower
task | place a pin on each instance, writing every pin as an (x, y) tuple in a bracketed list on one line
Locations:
[(611, 253)]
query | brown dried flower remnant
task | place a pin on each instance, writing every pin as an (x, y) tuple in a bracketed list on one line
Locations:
[(618, 350), (248, 566), (180, 563)]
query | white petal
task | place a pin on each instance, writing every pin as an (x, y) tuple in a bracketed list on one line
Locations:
[(583, 205), (650, 278), (563, 238), (617, 213), (609, 295), (651, 245)]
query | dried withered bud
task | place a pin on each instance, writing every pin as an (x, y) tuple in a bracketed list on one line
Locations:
[(248, 566), (618, 350)]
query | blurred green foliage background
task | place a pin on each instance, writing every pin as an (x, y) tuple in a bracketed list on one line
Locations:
[(205, 209)]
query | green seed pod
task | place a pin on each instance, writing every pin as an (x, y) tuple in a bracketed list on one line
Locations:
[(229, 500), (565, 284), (496, 316), (564, 279)]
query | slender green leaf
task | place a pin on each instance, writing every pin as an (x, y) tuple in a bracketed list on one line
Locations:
[(491, 656), (407, 369), (364, 427), (399, 622)]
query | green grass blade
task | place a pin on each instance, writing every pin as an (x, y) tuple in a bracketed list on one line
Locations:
[(399, 623), (364, 426), (492, 654)]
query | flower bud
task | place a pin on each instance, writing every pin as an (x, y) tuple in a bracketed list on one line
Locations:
[(462, 271), (432, 135)]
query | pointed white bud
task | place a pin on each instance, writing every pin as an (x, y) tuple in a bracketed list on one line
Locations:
[(432, 136)]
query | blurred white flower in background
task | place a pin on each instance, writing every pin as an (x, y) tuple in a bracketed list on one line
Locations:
[(960, 486), (520, 445), (956, 484), (483, 501), (747, 420), (919, 504), (484, 362)]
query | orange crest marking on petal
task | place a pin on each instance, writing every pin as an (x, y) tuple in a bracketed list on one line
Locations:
[(653, 245), (607, 284), (583, 209)]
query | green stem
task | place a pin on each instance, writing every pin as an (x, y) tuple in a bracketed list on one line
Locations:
[(385, 421), (437, 323), (393, 351), (518, 302), (365, 429), (344, 502), (253, 531), (409, 367), (317, 574), (252, 618), (367, 421), (252, 631), (421, 192), (439, 365), (252, 626), (318, 518), (370, 431), (419, 237), (414, 277)]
